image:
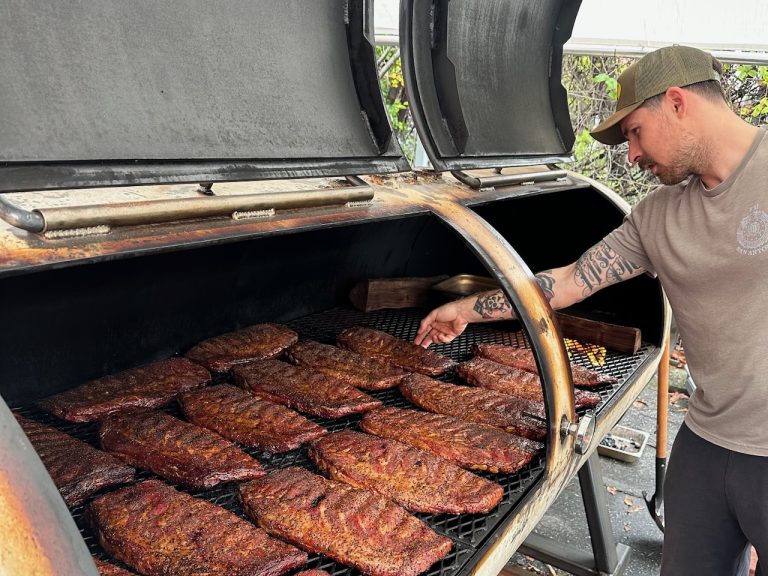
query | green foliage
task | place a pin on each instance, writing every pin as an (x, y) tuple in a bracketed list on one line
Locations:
[(392, 87)]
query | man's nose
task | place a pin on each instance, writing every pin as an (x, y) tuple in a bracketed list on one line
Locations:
[(634, 153)]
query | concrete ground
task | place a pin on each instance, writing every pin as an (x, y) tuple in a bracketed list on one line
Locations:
[(624, 484)]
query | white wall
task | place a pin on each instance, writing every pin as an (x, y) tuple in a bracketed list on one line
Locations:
[(625, 26)]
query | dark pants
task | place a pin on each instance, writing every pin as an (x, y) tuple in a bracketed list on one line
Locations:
[(715, 506)]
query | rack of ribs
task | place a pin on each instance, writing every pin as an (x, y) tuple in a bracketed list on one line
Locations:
[(406, 355), (77, 469), (350, 367), (247, 419), (523, 358), (149, 386), (303, 389), (108, 569), (178, 451), (355, 527), (510, 413), (419, 481), (468, 444), (485, 373), (257, 342), (158, 530)]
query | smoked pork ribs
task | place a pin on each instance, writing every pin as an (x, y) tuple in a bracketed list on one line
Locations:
[(402, 353), (257, 342), (178, 451), (418, 480), (248, 420), (469, 444), (77, 469), (149, 386), (158, 530), (355, 527)]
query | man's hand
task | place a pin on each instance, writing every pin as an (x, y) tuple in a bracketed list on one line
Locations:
[(441, 325)]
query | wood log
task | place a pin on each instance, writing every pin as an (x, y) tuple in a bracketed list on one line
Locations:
[(388, 293), (620, 338)]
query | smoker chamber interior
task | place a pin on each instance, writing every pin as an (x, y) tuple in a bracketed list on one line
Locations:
[(469, 532)]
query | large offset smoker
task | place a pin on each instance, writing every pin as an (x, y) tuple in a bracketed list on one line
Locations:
[(175, 170)]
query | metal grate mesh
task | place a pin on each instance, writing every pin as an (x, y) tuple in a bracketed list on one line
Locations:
[(468, 531)]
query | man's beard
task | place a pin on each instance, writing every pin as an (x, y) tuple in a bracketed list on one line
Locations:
[(689, 160)]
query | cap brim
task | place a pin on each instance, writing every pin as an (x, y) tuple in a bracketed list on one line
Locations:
[(609, 132)]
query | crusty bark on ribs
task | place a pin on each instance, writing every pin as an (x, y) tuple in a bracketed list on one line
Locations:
[(304, 389), (406, 355), (77, 469), (523, 358), (349, 367), (355, 527), (249, 420), (509, 413), (108, 569), (257, 342), (314, 572), (159, 531), (485, 373), (418, 480), (468, 444), (149, 386), (178, 451)]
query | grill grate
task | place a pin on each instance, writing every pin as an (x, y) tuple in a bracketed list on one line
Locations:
[(468, 531)]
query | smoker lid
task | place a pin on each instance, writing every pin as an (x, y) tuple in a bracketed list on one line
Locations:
[(114, 93), (483, 80)]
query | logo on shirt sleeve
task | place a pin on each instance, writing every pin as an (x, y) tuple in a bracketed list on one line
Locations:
[(752, 234)]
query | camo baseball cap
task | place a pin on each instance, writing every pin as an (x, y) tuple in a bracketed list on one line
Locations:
[(651, 76)]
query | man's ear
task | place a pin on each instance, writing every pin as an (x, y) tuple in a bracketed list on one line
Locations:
[(678, 100)]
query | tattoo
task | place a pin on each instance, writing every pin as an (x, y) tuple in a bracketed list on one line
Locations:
[(547, 283), (492, 305), (600, 266)]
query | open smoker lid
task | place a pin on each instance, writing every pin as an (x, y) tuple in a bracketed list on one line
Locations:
[(483, 80), (115, 93)]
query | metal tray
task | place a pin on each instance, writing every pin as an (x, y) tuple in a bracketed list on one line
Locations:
[(464, 285)]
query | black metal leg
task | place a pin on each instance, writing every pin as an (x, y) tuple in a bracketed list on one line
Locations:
[(608, 558)]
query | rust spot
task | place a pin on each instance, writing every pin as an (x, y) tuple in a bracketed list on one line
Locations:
[(20, 551), (543, 326)]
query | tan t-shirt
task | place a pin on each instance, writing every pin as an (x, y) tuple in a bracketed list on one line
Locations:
[(709, 249)]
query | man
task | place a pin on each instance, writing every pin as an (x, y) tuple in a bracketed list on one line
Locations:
[(704, 232)]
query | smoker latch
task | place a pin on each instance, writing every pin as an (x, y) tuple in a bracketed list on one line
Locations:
[(583, 430)]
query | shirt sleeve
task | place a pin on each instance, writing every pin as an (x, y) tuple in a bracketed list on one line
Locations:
[(626, 240)]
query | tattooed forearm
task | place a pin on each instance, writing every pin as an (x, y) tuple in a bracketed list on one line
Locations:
[(493, 305), (547, 283), (600, 266)]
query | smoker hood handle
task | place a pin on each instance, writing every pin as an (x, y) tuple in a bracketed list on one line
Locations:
[(104, 216), (39, 535)]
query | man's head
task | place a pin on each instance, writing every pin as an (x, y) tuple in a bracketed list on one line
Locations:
[(648, 79)]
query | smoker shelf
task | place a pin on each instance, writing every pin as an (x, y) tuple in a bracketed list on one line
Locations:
[(469, 532)]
